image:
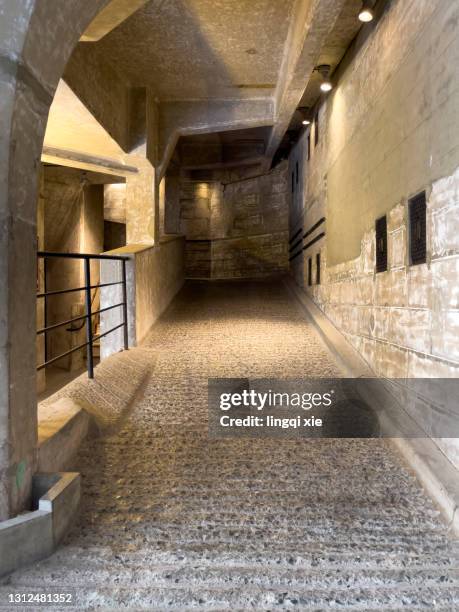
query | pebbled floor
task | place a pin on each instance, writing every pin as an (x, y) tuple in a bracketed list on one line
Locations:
[(174, 520)]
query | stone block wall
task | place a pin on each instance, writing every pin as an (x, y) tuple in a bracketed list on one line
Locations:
[(235, 228), (389, 131)]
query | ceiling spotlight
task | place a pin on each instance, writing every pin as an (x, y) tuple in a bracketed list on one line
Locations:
[(324, 71), (366, 12), (305, 112)]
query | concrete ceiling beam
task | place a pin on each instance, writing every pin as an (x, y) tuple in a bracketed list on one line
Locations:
[(111, 17), (311, 23), (248, 161), (205, 117)]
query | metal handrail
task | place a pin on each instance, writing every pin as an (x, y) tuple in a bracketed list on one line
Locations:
[(81, 255), (60, 291), (89, 313)]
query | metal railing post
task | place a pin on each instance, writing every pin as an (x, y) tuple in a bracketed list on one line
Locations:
[(125, 320), (89, 339)]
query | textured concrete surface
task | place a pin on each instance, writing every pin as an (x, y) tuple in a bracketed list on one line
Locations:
[(154, 275), (108, 397), (110, 17), (71, 126), (172, 519), (434, 470), (384, 135), (235, 225), (403, 321), (219, 33), (62, 427), (383, 138)]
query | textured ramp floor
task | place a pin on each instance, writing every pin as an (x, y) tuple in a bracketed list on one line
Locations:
[(171, 519)]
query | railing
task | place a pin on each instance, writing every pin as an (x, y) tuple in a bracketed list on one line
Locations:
[(89, 313)]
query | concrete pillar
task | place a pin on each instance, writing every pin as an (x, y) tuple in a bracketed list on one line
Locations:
[(162, 207), (142, 202), (22, 119)]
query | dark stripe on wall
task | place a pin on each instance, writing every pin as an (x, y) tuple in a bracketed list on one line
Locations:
[(310, 243), (296, 234), (296, 255), (313, 241), (297, 243), (308, 233), (314, 227)]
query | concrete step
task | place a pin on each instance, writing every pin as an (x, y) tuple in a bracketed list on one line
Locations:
[(285, 533), (142, 540), (82, 573), (238, 494), (294, 559), (204, 513), (403, 597)]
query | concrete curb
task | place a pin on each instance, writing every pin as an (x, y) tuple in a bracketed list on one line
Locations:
[(349, 359), (435, 472), (35, 535), (62, 427)]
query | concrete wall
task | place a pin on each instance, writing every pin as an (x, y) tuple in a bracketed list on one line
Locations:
[(235, 227), (154, 275), (389, 131), (115, 202), (72, 222), (101, 90), (114, 235)]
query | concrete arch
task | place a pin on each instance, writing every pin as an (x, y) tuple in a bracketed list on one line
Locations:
[(37, 38)]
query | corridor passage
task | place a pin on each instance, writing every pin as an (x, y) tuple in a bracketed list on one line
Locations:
[(172, 519)]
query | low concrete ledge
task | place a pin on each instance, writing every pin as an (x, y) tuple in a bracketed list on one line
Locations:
[(89, 407), (62, 427), (435, 472), (29, 537)]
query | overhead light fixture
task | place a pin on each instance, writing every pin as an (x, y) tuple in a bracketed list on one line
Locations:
[(324, 71), (366, 12), (305, 115)]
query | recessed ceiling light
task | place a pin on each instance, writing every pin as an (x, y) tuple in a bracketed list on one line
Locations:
[(306, 122), (326, 86)]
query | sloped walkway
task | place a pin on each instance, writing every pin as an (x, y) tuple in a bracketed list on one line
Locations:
[(173, 520)]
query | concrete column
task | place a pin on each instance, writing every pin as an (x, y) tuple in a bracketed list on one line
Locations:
[(142, 202), (23, 110), (162, 207)]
